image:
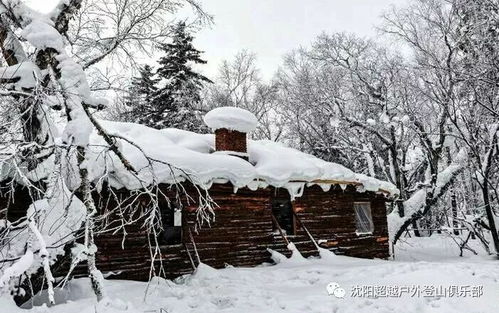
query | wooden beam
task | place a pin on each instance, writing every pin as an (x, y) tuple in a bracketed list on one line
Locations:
[(280, 229)]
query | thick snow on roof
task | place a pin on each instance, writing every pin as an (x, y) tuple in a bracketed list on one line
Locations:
[(231, 118), (173, 154)]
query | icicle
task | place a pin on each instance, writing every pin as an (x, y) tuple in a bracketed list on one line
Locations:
[(325, 187), (295, 190), (253, 185), (262, 184), (361, 188)]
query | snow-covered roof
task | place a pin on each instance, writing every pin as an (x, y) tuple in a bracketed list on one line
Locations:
[(231, 118), (192, 154)]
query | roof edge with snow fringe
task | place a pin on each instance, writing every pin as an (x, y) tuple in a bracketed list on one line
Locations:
[(180, 155)]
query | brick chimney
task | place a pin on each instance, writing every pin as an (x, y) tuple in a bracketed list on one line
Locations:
[(231, 125)]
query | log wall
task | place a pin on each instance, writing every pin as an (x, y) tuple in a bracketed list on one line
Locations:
[(242, 231), (330, 217)]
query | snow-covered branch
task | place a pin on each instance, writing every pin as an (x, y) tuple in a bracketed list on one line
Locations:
[(419, 203)]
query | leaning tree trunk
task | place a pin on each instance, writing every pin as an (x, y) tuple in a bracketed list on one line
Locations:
[(490, 216), (487, 165), (90, 248), (432, 195)]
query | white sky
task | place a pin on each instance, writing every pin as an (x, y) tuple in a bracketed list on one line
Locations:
[(272, 28)]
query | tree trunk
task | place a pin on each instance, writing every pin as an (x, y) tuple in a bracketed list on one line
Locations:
[(397, 179), (453, 202), (95, 275), (490, 216), (415, 227), (491, 154)]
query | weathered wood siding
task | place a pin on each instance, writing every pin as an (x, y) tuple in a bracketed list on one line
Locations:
[(239, 235), (241, 232), (330, 217)]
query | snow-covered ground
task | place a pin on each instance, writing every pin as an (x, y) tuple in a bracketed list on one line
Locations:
[(472, 283)]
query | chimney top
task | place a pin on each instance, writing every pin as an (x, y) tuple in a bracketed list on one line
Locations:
[(231, 118)]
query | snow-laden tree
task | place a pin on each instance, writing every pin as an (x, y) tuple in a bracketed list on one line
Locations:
[(177, 86), (346, 102), (373, 79), (360, 99), (119, 32), (476, 116), (138, 99), (426, 27), (425, 120), (45, 142)]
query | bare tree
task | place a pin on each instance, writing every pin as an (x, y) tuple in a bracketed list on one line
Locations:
[(476, 116), (52, 165), (349, 94), (239, 84)]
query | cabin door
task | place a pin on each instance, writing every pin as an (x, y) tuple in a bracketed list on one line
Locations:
[(282, 209)]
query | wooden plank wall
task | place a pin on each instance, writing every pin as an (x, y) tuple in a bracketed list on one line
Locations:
[(242, 232), (330, 217), (242, 229)]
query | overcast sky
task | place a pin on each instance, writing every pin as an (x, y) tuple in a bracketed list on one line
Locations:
[(272, 28)]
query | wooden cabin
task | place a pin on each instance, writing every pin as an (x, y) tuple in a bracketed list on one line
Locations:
[(246, 224), (316, 202), (249, 222)]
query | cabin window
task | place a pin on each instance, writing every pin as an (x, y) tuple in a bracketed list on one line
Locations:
[(363, 217), (171, 219), (282, 209)]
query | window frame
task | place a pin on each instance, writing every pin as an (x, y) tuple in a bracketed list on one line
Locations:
[(358, 220)]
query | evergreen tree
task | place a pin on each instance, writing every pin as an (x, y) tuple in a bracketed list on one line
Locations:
[(178, 93), (140, 95), (145, 84)]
